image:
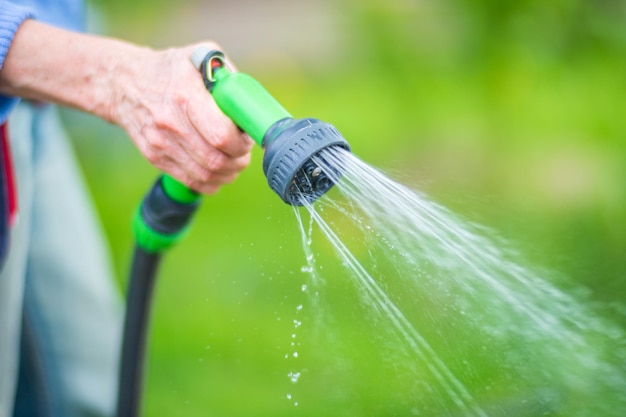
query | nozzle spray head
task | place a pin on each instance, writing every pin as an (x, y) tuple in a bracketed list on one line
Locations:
[(294, 149)]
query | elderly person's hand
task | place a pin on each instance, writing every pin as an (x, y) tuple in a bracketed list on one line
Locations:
[(158, 97)]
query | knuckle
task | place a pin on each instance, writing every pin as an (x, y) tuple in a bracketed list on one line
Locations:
[(203, 187), (203, 153), (163, 123), (217, 161), (164, 119), (180, 99), (205, 175), (244, 161), (230, 178), (187, 180), (155, 143), (148, 150), (201, 175), (152, 158), (221, 137)]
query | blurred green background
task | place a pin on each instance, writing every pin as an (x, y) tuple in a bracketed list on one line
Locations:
[(509, 113)]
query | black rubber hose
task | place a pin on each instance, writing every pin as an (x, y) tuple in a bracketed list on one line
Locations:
[(161, 221), (138, 302)]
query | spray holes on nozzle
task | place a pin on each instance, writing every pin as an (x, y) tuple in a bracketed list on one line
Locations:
[(323, 183)]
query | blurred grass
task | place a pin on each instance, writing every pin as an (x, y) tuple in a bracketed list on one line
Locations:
[(509, 113)]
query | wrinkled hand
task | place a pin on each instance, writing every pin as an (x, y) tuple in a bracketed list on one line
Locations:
[(159, 98)]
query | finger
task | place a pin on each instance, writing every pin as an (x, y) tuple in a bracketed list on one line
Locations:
[(205, 174), (215, 127), (199, 177), (189, 177), (210, 187), (211, 158), (209, 120)]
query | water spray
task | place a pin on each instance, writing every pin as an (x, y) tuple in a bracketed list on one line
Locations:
[(293, 163)]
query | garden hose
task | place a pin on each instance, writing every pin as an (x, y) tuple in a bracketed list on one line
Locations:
[(291, 148), (161, 220)]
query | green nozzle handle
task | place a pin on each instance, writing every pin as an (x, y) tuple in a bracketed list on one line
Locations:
[(247, 103), (165, 212), (242, 98)]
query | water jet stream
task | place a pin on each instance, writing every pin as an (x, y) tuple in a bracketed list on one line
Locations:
[(542, 347)]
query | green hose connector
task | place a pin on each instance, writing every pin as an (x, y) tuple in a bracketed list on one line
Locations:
[(179, 192), (163, 217)]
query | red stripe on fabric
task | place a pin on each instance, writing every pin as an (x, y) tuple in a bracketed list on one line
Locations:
[(9, 174)]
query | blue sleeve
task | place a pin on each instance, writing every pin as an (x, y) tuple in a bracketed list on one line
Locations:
[(11, 17)]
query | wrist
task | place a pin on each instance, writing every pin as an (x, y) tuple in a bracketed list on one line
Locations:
[(72, 69), (125, 90), (117, 76)]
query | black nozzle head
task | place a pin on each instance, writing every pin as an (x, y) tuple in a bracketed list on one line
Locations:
[(292, 148)]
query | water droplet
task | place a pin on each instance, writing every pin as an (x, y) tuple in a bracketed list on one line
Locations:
[(304, 288), (299, 308), (294, 376), (295, 354), (288, 396)]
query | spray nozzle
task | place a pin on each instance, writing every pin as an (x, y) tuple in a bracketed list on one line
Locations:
[(291, 145), (294, 149)]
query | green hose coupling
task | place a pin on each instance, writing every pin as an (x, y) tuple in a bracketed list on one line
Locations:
[(164, 215)]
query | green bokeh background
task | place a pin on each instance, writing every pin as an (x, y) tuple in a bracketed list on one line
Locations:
[(511, 114)]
